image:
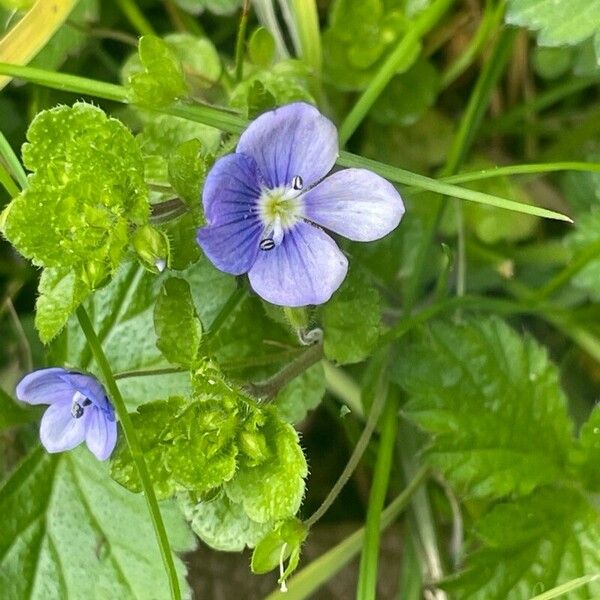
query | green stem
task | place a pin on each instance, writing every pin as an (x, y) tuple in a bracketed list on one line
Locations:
[(267, 390), (309, 579), (491, 18), (400, 59), (241, 41), (149, 372), (228, 308), (590, 253), (135, 449), (341, 385), (136, 17), (12, 162), (367, 575), (306, 21), (361, 446)]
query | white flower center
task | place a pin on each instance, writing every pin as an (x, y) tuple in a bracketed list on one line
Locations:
[(279, 210)]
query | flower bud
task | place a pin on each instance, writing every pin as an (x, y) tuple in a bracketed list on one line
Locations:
[(95, 274), (152, 248), (254, 446)]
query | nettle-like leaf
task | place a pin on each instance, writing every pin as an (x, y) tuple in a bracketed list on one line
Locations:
[(351, 320), (558, 22), (68, 531), (492, 401), (162, 81), (187, 169), (178, 328), (86, 192), (531, 545), (586, 456), (222, 523)]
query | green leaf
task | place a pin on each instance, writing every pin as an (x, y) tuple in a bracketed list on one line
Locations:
[(182, 239), (61, 292), (586, 238), (261, 47), (557, 22), (188, 167), (359, 37), (162, 81), (219, 7), (178, 328), (302, 394), (285, 82), (533, 544), (68, 531), (408, 96), (493, 403), (273, 489), (199, 59), (189, 446), (586, 456), (351, 320), (87, 189), (223, 524), (13, 413)]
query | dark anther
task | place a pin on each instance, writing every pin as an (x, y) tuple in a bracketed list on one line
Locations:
[(297, 183), (86, 402), (267, 244), (76, 410)]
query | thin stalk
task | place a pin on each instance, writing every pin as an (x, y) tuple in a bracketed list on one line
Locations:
[(149, 372), (400, 58), (136, 17), (341, 385), (367, 574), (306, 27), (228, 308), (267, 390), (7, 182), (135, 449), (233, 123), (14, 165), (491, 19), (361, 446), (561, 279), (309, 579), (241, 41)]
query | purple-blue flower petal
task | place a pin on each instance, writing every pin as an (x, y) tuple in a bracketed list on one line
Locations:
[(101, 434), (45, 386), (59, 431), (355, 203), (231, 247), (231, 189), (294, 140), (89, 386), (305, 269)]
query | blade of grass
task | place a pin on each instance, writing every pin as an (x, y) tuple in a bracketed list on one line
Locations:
[(13, 163), (33, 32), (565, 588)]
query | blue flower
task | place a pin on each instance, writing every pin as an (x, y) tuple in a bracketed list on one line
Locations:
[(79, 410), (267, 203)]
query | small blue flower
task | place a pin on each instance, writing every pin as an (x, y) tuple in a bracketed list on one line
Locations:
[(265, 206), (79, 410)]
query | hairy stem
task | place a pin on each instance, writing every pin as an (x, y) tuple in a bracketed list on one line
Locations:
[(135, 449), (269, 388)]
